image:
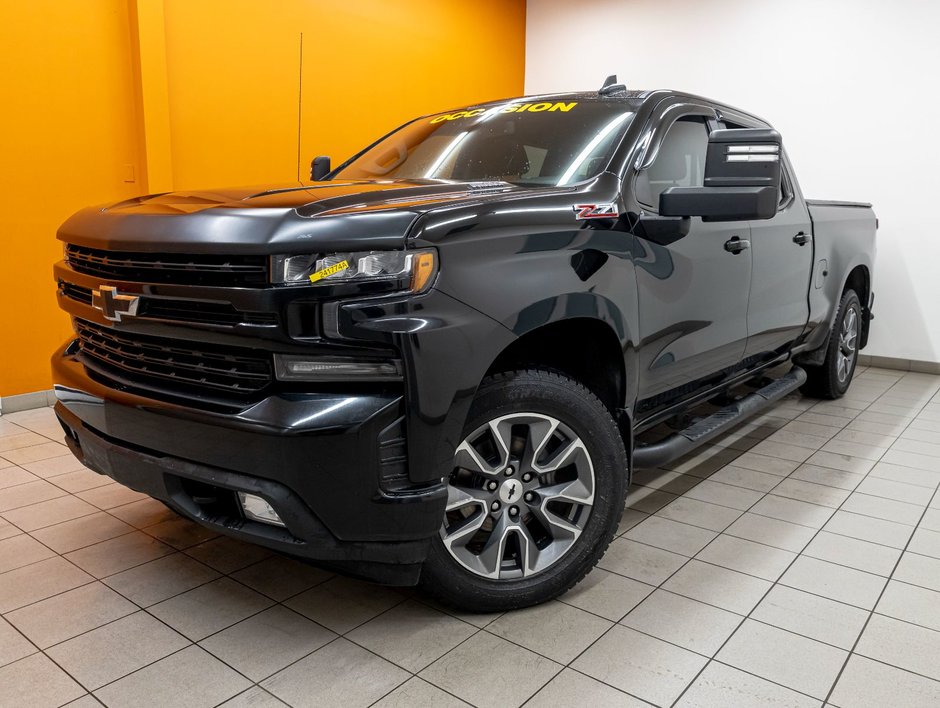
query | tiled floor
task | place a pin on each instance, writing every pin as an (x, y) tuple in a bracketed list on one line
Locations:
[(794, 562)]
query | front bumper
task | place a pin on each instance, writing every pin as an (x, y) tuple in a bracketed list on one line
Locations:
[(316, 457)]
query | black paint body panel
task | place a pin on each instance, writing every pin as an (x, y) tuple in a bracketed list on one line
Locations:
[(511, 260)]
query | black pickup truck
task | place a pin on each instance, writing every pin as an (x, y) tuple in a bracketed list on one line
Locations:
[(435, 363)]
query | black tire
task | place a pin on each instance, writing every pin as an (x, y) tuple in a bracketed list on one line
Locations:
[(577, 411), (832, 379)]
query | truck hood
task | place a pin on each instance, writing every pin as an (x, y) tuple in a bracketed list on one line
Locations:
[(335, 216)]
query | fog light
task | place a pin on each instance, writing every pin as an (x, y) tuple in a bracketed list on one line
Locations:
[(288, 367), (258, 509)]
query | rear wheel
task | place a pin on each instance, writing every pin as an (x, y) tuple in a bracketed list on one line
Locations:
[(832, 379), (535, 495)]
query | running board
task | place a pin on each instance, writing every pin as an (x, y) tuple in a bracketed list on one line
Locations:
[(679, 444)]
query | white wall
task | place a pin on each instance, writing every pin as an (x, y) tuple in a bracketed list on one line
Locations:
[(851, 84)]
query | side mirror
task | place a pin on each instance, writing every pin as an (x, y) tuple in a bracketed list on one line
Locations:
[(319, 167), (742, 179)]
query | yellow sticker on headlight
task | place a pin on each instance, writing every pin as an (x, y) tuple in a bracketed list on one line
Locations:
[(327, 272)]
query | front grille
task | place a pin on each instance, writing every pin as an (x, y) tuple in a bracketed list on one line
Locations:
[(222, 313), (180, 268), (172, 365)]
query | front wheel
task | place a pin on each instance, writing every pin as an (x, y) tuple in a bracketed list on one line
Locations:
[(831, 380), (534, 497)]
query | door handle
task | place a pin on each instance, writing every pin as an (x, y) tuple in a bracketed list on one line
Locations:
[(802, 238), (735, 245)]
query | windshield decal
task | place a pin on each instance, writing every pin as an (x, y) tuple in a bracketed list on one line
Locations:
[(558, 106)]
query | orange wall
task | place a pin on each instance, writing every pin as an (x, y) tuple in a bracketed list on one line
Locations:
[(201, 93), (68, 136)]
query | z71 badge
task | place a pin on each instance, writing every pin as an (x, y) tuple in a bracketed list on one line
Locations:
[(595, 211)]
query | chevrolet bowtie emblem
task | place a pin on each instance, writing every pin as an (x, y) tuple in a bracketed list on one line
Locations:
[(113, 304)]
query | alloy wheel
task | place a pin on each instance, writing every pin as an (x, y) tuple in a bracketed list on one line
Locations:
[(848, 345), (519, 496)]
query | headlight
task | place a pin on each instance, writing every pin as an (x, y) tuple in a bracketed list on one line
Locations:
[(412, 269)]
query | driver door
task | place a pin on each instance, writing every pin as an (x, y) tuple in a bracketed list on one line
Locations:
[(693, 293)]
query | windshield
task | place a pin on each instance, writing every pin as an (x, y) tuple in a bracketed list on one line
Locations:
[(537, 144)]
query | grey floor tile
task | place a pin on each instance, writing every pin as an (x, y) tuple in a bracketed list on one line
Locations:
[(556, 630), (749, 479), (17, 551), (110, 496), (160, 579), (114, 650), (643, 666), (342, 604), (699, 513), (81, 532), (628, 519), (344, 674), (641, 562), (13, 645), (38, 581), (570, 688), (607, 594), (771, 532), (488, 670), (202, 611), (227, 555), (870, 684), (765, 463), (180, 533), (70, 613), (79, 480), (688, 623), (27, 494), (267, 642), (912, 459), (254, 697), (747, 557), (919, 570), (647, 499), (54, 466), (36, 681), (418, 692), (717, 586), (671, 535), (36, 453), (191, 678), (911, 603), (47, 513), (280, 577), (898, 491), (143, 514), (724, 495), (721, 686), (855, 553), (925, 542), (791, 660), (905, 475), (880, 508), (867, 528), (118, 554), (827, 477), (665, 480), (850, 448), (784, 451), (837, 461), (901, 644), (412, 635), (793, 510), (811, 492), (812, 616), (13, 476), (854, 587)]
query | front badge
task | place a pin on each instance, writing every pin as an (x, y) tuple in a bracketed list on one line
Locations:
[(114, 305)]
